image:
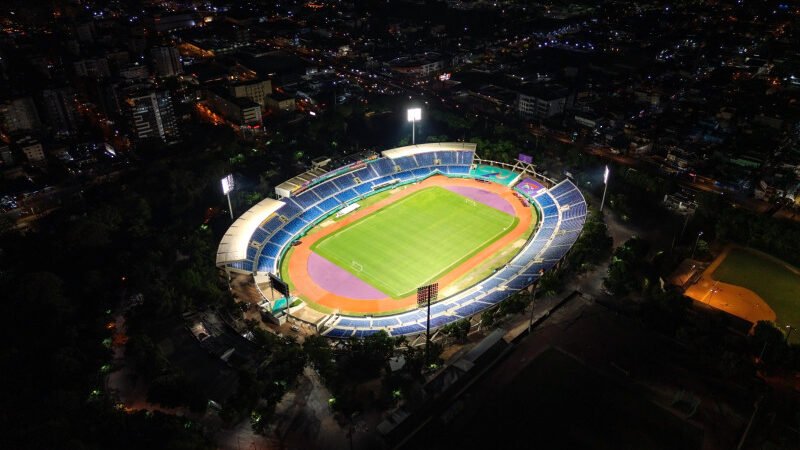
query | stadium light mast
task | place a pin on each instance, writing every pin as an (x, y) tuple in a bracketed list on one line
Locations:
[(227, 187), (414, 114), (605, 187), (695, 243)]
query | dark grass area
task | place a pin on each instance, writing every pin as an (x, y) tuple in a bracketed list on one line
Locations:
[(558, 402)]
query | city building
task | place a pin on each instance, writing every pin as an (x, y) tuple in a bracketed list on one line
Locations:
[(32, 149), (278, 102), (543, 101), (255, 91), (166, 61), (153, 116), (19, 115), (92, 67), (240, 111), (59, 110)]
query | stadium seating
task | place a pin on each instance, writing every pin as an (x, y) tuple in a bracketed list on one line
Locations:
[(344, 182), (558, 230), (329, 204)]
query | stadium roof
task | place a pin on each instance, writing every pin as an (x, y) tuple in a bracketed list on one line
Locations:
[(287, 187), (233, 246), (399, 152)]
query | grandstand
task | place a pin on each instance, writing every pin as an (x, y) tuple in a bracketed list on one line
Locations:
[(257, 240)]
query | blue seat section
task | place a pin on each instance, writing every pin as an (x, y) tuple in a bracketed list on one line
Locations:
[(407, 329), (567, 238), (339, 333), (251, 252), (422, 172), (243, 265), (306, 199), (425, 159), (364, 333), (496, 297), (265, 263), (281, 237), (259, 235), (573, 197), (459, 170), (270, 250), (289, 209), (576, 210), (561, 188), (383, 166), (470, 309), (352, 322), (551, 210), (326, 189), (272, 225), (572, 224), (465, 157), (520, 282), (406, 163), (344, 182), (440, 307), (385, 322), (364, 188), (364, 174), (311, 214), (438, 321), (346, 195), (329, 204), (544, 200), (447, 158), (402, 176), (294, 226)]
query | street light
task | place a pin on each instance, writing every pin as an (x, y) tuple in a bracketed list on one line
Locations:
[(227, 187), (605, 187), (695, 243), (790, 328), (414, 114)]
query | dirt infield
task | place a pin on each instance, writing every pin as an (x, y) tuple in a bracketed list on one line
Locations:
[(307, 288), (736, 300)]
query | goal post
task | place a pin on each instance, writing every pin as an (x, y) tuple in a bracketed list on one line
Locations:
[(470, 202), (356, 266)]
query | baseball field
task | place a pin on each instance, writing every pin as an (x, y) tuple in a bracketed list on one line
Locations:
[(414, 241)]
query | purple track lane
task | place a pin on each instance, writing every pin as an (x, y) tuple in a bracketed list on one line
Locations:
[(338, 281), (485, 197)]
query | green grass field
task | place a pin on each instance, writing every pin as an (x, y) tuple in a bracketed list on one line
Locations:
[(415, 240), (776, 282)]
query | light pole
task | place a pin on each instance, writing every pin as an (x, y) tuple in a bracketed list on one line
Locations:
[(533, 300), (227, 187), (790, 328), (414, 114), (695, 243), (605, 187)]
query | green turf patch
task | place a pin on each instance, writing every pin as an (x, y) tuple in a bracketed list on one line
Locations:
[(774, 281), (416, 240)]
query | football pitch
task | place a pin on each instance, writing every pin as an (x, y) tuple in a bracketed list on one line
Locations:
[(414, 241), (774, 281)]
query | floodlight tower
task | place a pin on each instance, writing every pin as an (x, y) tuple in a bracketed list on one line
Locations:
[(605, 187), (227, 187), (414, 114)]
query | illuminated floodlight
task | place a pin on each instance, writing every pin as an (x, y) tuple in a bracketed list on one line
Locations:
[(227, 187), (605, 187), (414, 114), (227, 184)]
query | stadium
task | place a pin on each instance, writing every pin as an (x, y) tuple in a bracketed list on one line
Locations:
[(354, 240)]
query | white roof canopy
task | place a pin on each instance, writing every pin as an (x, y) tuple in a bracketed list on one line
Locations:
[(233, 246), (409, 150)]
